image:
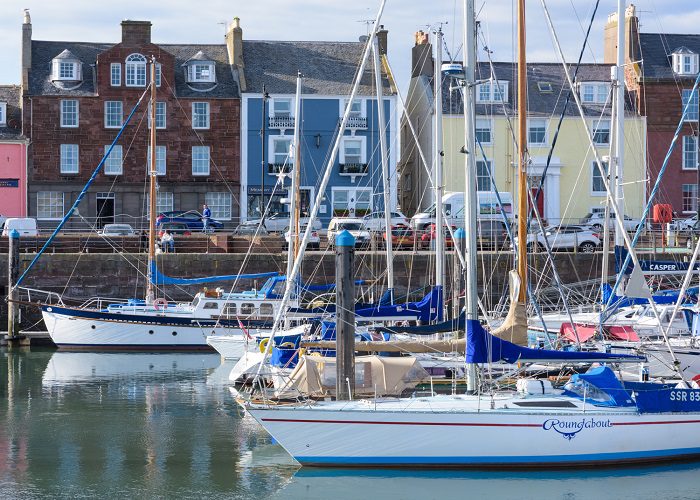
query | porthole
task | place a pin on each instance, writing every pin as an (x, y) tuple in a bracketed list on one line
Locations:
[(93, 327), (174, 334), (150, 332)]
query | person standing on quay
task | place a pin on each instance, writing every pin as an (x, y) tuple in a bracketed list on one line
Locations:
[(206, 215)]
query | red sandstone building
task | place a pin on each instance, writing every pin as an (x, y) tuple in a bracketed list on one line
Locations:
[(77, 95)]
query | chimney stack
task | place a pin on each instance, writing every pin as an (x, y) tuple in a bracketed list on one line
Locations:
[(382, 40), (26, 50), (421, 56), (631, 34), (234, 47), (136, 33)]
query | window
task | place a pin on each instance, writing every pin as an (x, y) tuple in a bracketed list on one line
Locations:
[(3, 113), (483, 131), (597, 184), (352, 151), (690, 152), (164, 202), (69, 158), (159, 74), (281, 107), (66, 71), (201, 72), (49, 205), (115, 74), (65, 66), (601, 132), (160, 115), (352, 156), (161, 154), (114, 162), (113, 114), (493, 92), (691, 114), (220, 205), (537, 131), (353, 202), (483, 179), (280, 154), (594, 92), (200, 160), (685, 62), (200, 115), (69, 113), (690, 197), (135, 71)]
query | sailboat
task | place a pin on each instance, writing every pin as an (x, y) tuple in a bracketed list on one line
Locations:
[(595, 419)]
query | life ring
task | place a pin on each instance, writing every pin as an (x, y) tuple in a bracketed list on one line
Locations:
[(287, 345), (263, 345), (160, 304)]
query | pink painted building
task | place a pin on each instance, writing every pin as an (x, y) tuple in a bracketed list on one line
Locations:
[(13, 154)]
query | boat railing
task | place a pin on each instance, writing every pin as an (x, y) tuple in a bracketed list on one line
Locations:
[(37, 296), (106, 302)]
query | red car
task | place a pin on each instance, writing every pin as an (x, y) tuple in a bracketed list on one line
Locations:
[(401, 236), (430, 233)]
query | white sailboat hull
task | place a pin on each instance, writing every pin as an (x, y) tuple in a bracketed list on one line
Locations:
[(231, 347), (443, 434)]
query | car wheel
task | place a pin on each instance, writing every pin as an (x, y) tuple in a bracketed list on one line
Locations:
[(587, 247)]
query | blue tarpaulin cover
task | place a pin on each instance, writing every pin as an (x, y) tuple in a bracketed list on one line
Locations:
[(158, 278)]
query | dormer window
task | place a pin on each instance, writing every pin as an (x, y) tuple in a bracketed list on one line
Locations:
[(594, 92), (200, 69), (685, 61), (135, 71), (66, 67), (3, 114), (492, 92)]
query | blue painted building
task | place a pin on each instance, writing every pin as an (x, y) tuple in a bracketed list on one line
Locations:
[(328, 69)]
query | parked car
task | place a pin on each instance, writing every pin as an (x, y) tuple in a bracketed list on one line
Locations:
[(375, 220), (560, 238), (402, 236), (314, 239), (178, 228), (278, 223), (117, 230), (492, 234), (430, 233), (488, 207), (250, 228), (685, 224), (355, 226), (192, 218), (25, 226), (596, 221)]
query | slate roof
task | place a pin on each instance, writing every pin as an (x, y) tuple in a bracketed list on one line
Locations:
[(11, 94), (328, 68), (656, 50), (539, 103), (43, 52)]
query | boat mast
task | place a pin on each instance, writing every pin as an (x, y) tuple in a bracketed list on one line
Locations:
[(294, 209), (619, 85), (385, 171), (150, 292), (470, 196), (437, 165), (522, 156)]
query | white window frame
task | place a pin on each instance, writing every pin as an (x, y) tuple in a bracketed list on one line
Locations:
[(114, 163), (115, 74), (159, 74), (693, 198), (69, 152), (488, 164), (599, 92), (595, 126), (50, 200), (272, 154), (479, 125), (220, 203), (196, 160), (161, 112), (3, 113), (361, 103), (164, 202), (195, 115), (486, 93), (685, 64), (108, 114), (273, 103), (355, 191), (530, 123), (692, 115), (690, 153), (594, 174), (363, 148), (135, 70), (161, 160), (65, 113), (197, 76)]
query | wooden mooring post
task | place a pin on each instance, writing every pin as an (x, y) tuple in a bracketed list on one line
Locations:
[(13, 319), (345, 316)]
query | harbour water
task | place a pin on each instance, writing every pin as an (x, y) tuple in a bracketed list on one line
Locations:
[(110, 425)]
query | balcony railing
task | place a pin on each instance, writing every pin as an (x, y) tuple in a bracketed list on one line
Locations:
[(281, 121), (276, 168), (353, 169), (355, 122)]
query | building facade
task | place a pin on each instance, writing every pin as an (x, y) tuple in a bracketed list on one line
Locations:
[(356, 186), (13, 154), (77, 95), (572, 185)]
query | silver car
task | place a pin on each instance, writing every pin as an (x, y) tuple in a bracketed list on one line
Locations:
[(560, 238)]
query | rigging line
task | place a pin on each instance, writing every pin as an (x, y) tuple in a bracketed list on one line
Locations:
[(81, 195)]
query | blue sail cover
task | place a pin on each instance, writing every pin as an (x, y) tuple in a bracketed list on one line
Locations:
[(652, 266), (662, 297), (451, 325), (157, 278), (482, 347)]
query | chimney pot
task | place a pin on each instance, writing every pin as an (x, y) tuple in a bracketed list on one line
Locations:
[(136, 33)]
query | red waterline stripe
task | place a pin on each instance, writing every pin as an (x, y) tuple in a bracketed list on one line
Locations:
[(456, 424)]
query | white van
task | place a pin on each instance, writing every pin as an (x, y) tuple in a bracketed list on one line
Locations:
[(24, 226), (453, 205)]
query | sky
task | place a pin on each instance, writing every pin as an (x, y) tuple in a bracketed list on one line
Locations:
[(203, 21)]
